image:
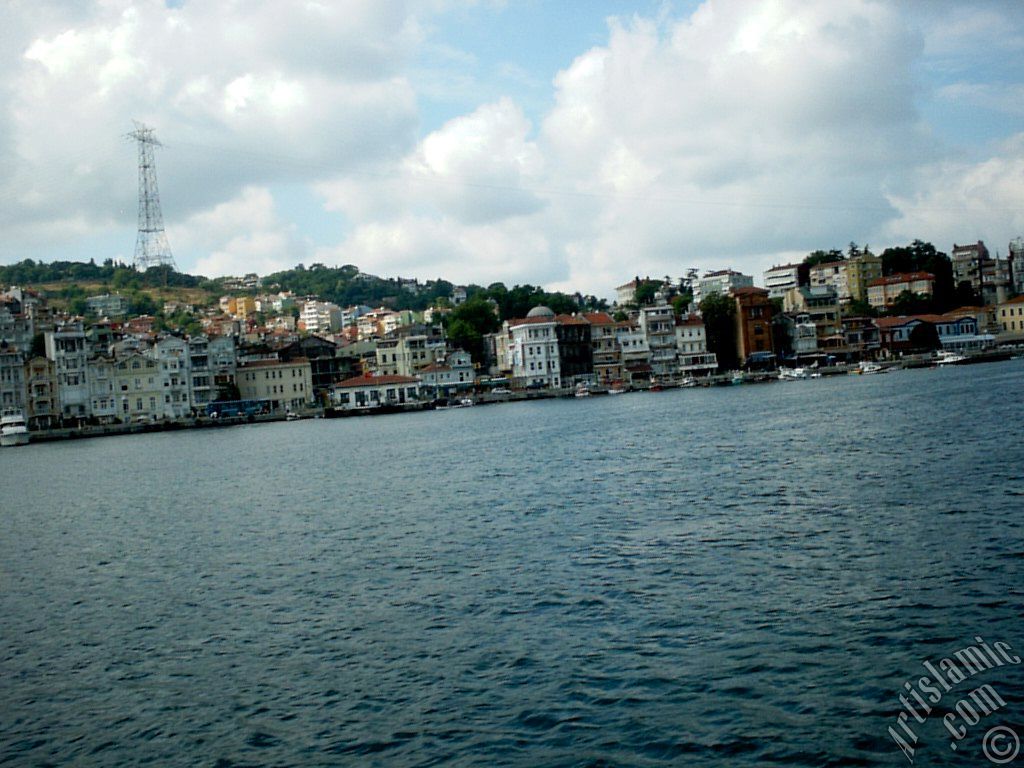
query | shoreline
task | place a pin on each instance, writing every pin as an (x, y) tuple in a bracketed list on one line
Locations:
[(485, 398)]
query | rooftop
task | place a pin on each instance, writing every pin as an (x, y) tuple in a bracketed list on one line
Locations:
[(375, 381), (902, 277)]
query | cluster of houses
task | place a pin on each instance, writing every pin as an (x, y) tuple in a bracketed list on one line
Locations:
[(308, 352)]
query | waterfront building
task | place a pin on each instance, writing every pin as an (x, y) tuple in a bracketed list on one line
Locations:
[(66, 347), (904, 335), (534, 349), (452, 375), (781, 278), (103, 402), (636, 355), (326, 364), (285, 384), (721, 281), (820, 304), (173, 355), (884, 291), (658, 324), (800, 334), (606, 356), (139, 390), (368, 392), (862, 338), (12, 377), (1010, 316), (692, 347), (575, 351), (753, 322), (42, 409), (212, 364)]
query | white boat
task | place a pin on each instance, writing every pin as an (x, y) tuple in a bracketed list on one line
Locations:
[(582, 391), (615, 390), (793, 374), (867, 368), (688, 382), (13, 430), (949, 358)]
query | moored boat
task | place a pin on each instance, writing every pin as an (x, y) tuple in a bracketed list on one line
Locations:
[(13, 430)]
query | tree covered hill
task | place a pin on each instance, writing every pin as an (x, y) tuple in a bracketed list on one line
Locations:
[(345, 286)]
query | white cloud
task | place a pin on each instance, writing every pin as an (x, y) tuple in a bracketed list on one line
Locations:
[(243, 235), (965, 202), (253, 93), (739, 135)]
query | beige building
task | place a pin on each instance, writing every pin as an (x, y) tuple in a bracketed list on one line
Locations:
[(884, 291), (1010, 316), (285, 385)]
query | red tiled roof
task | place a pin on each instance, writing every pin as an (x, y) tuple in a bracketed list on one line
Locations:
[(570, 320), (1016, 300), (749, 291), (630, 284), (690, 319), (531, 320), (904, 277), (371, 381), (892, 322), (829, 264), (599, 318)]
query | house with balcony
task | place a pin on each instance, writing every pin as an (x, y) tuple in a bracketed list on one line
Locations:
[(658, 325), (692, 347), (606, 355)]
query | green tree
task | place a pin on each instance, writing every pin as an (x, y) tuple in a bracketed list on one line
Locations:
[(468, 323), (823, 257), (719, 313), (923, 257)]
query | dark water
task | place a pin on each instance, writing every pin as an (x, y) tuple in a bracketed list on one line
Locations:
[(739, 576)]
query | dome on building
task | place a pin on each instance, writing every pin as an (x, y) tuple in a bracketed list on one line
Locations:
[(540, 311)]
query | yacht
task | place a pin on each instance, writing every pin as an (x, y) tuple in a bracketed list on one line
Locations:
[(13, 430)]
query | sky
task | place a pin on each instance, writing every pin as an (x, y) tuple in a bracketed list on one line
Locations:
[(572, 144)]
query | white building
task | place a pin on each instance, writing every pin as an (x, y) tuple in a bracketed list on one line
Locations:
[(361, 393), (534, 349), (658, 325), (834, 274), (212, 364), (66, 347), (452, 375), (721, 281), (175, 367), (321, 317), (780, 279), (692, 347)]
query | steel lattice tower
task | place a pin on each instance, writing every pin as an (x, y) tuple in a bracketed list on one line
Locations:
[(151, 246)]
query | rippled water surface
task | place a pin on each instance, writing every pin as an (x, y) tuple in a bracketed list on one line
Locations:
[(736, 576)]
